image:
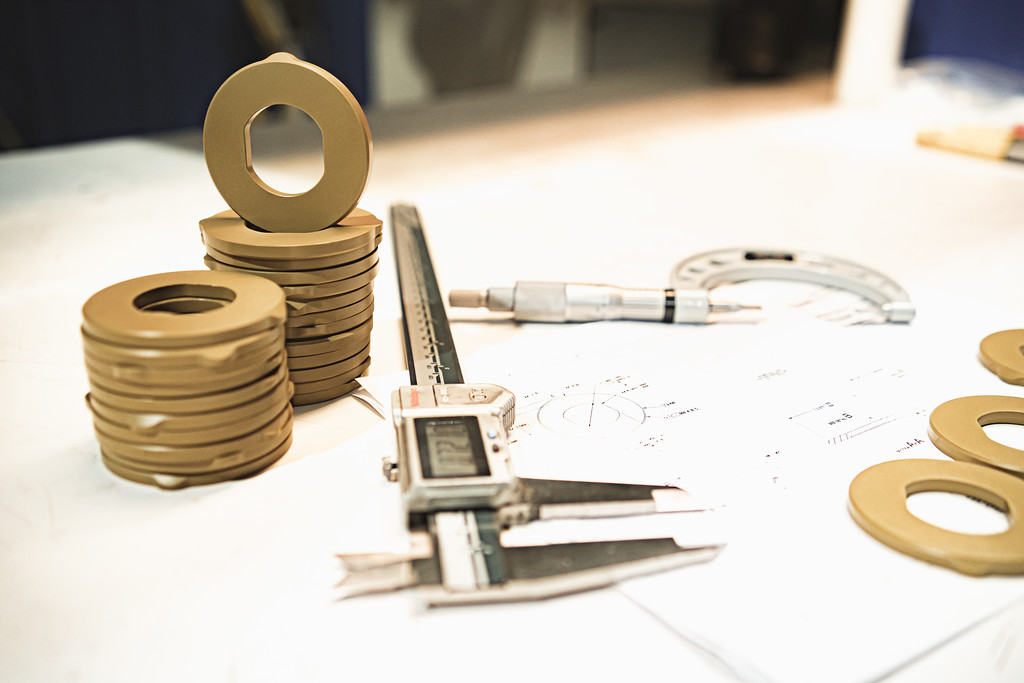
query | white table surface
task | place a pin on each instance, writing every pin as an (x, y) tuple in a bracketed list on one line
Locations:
[(106, 580)]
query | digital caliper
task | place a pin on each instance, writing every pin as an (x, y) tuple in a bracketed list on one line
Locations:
[(462, 497)]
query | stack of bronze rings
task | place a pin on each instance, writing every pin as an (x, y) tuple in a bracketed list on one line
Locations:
[(187, 377), (327, 277), (318, 246), (192, 375)]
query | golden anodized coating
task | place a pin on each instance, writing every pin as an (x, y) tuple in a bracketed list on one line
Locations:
[(956, 429), (328, 329), (349, 340), (187, 375), (194, 384), (318, 246), (237, 352), (301, 277), (197, 436), (329, 316), (1003, 354), (145, 425), (207, 457), (228, 233), (327, 303), (176, 480), (314, 392), (325, 394), (185, 405), (303, 376), (313, 263), (347, 146), (322, 289), (183, 309), (319, 360), (878, 503), (136, 374)]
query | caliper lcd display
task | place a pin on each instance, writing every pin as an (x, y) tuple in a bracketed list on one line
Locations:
[(451, 447)]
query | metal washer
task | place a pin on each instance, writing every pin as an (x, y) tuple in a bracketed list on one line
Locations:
[(301, 277), (333, 368), (347, 147), (327, 329), (227, 232), (173, 481), (956, 429), (212, 432), (325, 394), (304, 389), (323, 289), (194, 384), (184, 405), (231, 374), (299, 307), (203, 457), (146, 424), (878, 503), (238, 352), (353, 339), (129, 312), (312, 263), (1002, 353)]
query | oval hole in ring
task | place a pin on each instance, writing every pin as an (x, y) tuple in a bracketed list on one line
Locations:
[(957, 512), (286, 149), (184, 299), (1011, 435)]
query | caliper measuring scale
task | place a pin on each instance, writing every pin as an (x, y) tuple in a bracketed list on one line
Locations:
[(460, 492)]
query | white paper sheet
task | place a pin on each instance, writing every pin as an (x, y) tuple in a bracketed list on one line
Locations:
[(769, 423)]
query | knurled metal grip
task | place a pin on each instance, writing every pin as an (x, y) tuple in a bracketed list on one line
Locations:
[(694, 276), (347, 146)]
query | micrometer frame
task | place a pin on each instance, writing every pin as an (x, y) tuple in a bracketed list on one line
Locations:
[(694, 276)]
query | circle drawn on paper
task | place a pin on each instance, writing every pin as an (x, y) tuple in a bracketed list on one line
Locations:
[(594, 415)]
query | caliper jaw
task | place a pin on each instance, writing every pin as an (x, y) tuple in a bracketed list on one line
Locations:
[(462, 557), (542, 572), (544, 499), (370, 573)]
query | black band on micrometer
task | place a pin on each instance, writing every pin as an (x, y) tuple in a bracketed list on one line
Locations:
[(768, 256), (670, 306)]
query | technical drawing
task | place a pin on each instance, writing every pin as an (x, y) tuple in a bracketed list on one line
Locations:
[(615, 407), (871, 401), (596, 414)]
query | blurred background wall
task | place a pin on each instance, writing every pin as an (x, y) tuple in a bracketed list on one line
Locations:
[(987, 30), (86, 69)]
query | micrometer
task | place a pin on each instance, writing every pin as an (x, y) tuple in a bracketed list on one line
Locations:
[(687, 299), (461, 495)]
